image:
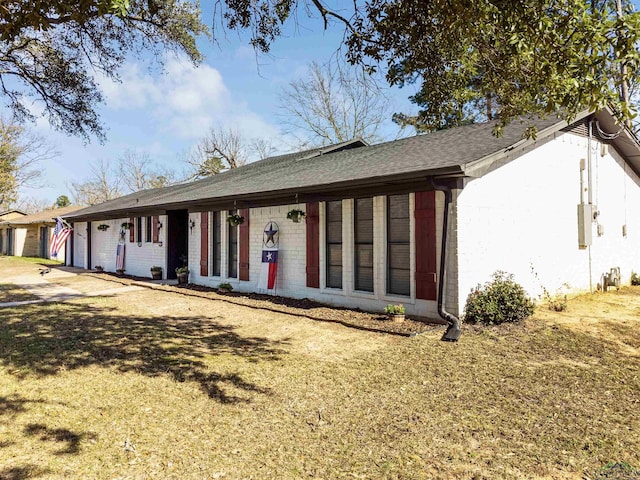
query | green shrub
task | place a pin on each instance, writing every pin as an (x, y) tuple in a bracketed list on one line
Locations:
[(558, 304), (394, 309), (617, 471), (635, 278), (498, 301)]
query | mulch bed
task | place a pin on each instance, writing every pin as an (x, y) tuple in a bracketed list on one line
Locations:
[(354, 318)]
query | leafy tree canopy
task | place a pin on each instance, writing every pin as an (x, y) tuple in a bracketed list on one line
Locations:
[(62, 201), (49, 51), (498, 56), (530, 57)]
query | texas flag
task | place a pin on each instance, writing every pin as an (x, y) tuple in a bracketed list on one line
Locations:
[(269, 269)]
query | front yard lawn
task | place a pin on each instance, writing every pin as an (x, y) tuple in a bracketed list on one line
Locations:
[(10, 293), (152, 384)]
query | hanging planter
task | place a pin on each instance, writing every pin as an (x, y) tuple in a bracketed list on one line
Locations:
[(127, 225), (103, 227), (235, 220), (296, 215)]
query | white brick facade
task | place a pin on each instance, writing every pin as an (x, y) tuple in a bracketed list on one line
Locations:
[(139, 257), (291, 277), (522, 218)]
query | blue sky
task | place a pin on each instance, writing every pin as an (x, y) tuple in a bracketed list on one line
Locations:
[(165, 113)]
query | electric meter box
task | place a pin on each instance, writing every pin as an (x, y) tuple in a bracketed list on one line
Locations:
[(585, 220)]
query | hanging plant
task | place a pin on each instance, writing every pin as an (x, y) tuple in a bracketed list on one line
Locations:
[(296, 215), (103, 227), (235, 220), (126, 225)]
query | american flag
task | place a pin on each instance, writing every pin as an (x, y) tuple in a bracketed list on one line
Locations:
[(120, 257), (60, 234)]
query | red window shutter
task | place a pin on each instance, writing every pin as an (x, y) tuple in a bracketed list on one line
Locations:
[(132, 230), (426, 262), (313, 245), (155, 235), (204, 244), (243, 235)]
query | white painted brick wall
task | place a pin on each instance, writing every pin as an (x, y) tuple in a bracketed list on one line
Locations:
[(291, 278), (291, 256), (139, 257), (524, 214)]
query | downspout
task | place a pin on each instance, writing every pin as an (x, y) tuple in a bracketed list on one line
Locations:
[(453, 330)]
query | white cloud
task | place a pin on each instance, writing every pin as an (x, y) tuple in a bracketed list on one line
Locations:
[(184, 101)]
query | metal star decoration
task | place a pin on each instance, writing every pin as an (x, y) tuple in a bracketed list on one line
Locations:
[(270, 233)]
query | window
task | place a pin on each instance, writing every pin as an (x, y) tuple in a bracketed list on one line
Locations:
[(334, 244), (139, 229), (149, 224), (233, 249), (363, 238), (216, 244), (398, 242), (10, 241)]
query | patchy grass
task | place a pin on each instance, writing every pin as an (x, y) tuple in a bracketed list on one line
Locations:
[(17, 262), (10, 293), (156, 385)]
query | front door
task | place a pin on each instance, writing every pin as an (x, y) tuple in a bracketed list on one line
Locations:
[(44, 242), (10, 241), (177, 241)]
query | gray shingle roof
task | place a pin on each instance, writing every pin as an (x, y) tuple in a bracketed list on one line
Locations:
[(45, 216), (442, 152)]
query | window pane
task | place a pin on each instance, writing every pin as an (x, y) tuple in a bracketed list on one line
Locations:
[(233, 249), (334, 210), (364, 207), (399, 256), (363, 244), (398, 206), (398, 245), (364, 279), (399, 282), (334, 277), (216, 238), (398, 230), (364, 256), (334, 244), (138, 229), (148, 230), (334, 255), (364, 231)]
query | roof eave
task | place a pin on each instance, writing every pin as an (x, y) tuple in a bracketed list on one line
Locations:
[(484, 165), (365, 187)]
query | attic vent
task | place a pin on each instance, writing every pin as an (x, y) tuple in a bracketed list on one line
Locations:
[(581, 128)]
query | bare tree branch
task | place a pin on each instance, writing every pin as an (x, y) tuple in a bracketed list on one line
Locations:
[(223, 149), (21, 152), (333, 105)]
